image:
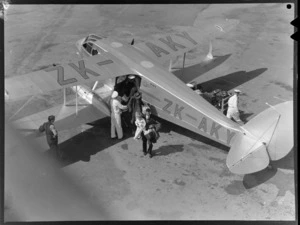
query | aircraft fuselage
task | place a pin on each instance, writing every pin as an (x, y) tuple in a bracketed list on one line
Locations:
[(166, 104)]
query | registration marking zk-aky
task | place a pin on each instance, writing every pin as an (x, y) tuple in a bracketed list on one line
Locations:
[(215, 127), (177, 111), (157, 50), (80, 69)]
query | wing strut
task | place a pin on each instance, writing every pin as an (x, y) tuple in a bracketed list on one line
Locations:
[(183, 63), (76, 101), (64, 96), (21, 107), (95, 85), (170, 66)]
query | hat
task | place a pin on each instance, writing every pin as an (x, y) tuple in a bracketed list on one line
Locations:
[(216, 91), (114, 94), (131, 77), (190, 85), (237, 91), (198, 91)]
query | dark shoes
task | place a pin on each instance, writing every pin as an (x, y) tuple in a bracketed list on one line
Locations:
[(150, 154)]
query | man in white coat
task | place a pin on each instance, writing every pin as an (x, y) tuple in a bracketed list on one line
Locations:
[(233, 111), (116, 111)]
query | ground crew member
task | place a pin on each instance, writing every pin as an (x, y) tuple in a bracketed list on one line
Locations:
[(116, 111), (233, 111), (150, 134), (51, 135)]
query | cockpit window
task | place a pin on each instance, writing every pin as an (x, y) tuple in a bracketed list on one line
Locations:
[(95, 37), (90, 48), (94, 52), (92, 40)]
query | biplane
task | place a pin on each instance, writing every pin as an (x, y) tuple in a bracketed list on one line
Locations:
[(105, 62)]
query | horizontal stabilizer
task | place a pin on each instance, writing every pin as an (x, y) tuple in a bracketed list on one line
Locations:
[(281, 139), (247, 155), (268, 136)]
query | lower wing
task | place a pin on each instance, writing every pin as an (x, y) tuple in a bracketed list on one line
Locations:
[(66, 117)]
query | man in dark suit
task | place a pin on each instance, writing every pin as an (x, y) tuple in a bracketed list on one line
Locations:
[(52, 136), (150, 134)]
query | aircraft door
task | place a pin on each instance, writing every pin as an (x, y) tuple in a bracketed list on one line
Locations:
[(124, 84)]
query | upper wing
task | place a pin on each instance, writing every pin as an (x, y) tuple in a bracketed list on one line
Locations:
[(100, 67), (165, 47)]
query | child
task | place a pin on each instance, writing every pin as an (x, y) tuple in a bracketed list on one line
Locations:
[(140, 123)]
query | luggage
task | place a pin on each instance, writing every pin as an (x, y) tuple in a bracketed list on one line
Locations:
[(144, 108), (152, 136), (42, 128)]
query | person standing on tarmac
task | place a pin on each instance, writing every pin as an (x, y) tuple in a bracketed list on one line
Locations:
[(51, 136), (116, 111), (233, 111), (149, 135)]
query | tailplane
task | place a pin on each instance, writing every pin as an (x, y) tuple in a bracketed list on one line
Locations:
[(268, 136)]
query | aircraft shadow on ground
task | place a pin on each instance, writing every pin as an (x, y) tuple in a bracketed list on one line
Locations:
[(255, 179), (192, 72), (286, 162), (81, 146), (167, 127), (232, 80), (244, 116), (166, 150)]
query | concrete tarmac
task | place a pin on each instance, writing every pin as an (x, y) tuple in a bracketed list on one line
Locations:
[(187, 179)]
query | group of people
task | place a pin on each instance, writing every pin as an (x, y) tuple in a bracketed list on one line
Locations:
[(129, 108), (215, 98)]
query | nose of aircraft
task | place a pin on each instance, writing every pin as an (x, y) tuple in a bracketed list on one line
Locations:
[(79, 44)]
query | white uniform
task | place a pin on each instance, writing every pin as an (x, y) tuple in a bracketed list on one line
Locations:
[(233, 111), (116, 111)]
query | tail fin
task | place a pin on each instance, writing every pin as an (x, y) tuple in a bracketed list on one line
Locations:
[(268, 136)]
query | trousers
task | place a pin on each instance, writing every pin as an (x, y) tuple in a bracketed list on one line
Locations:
[(55, 149), (116, 126), (233, 113), (145, 142)]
